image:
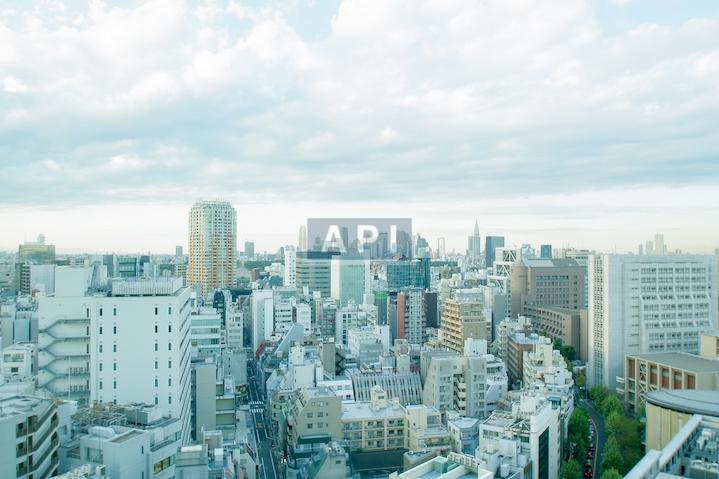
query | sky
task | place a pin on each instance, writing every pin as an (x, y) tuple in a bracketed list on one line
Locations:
[(572, 122)]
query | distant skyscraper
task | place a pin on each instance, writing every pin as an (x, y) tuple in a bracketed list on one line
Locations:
[(474, 245), (178, 251), (302, 239), (659, 246), (641, 249), (212, 244), (290, 275), (649, 247), (249, 249), (545, 251), (490, 244), (441, 252)]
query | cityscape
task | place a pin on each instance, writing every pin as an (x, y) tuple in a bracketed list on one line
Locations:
[(358, 355), (359, 239)]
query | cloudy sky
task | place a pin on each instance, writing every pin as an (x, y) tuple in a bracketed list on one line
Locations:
[(592, 123)]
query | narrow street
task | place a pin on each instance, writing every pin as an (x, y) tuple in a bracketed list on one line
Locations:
[(600, 436), (260, 423)]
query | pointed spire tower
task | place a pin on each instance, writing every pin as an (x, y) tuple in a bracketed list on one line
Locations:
[(473, 242)]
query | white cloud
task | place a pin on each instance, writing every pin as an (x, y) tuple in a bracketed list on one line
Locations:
[(492, 98)]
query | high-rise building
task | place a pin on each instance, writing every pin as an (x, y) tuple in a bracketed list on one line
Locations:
[(545, 251), (490, 244), (659, 246), (290, 273), (474, 245), (178, 251), (646, 304), (313, 271), (411, 318), (441, 251), (350, 279), (249, 249), (212, 245), (406, 273), (302, 239)]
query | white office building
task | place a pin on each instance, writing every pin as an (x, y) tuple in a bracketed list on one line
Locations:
[(262, 308), (645, 304), (290, 273), (89, 344)]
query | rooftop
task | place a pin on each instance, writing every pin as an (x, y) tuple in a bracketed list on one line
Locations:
[(687, 400), (364, 410), (22, 405), (685, 361)]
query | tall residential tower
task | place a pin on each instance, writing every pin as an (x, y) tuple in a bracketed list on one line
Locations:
[(212, 244)]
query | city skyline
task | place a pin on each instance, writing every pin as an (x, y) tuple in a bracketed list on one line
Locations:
[(596, 119), (270, 236)]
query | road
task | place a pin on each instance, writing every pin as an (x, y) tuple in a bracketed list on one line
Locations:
[(600, 436), (260, 422)]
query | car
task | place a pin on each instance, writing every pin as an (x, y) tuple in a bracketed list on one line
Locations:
[(590, 455), (588, 474)]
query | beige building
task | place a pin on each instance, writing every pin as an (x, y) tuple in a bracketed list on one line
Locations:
[(709, 345), (313, 418), (463, 318), (669, 411), (565, 324), (212, 243), (645, 373), (547, 282), (381, 425)]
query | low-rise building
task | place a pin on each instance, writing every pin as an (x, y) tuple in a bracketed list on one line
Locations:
[(709, 345), (135, 440), (692, 452), (661, 371), (464, 433), (19, 362), (564, 324)]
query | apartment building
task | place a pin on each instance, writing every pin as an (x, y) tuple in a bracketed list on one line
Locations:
[(470, 384), (464, 317), (28, 426), (546, 282)]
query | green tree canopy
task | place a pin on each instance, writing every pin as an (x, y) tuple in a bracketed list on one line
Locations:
[(598, 393), (612, 455), (611, 474), (570, 470), (610, 404)]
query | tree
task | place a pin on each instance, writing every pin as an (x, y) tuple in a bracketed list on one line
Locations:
[(612, 455), (611, 474), (598, 393), (613, 422), (610, 404), (570, 470), (569, 353), (581, 380), (578, 432)]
